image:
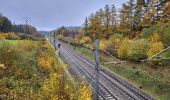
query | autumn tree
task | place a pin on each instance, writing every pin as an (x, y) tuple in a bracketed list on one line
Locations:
[(95, 26), (166, 11), (124, 19), (113, 18), (108, 21), (138, 14)]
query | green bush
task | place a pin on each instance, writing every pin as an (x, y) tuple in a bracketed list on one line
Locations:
[(150, 31), (137, 49), (165, 34), (165, 55)]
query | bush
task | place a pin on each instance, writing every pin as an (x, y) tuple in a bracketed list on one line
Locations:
[(103, 44), (45, 61), (115, 41), (85, 40), (123, 49), (155, 48), (20, 77), (165, 34), (165, 55), (10, 36), (150, 31), (137, 50), (154, 38), (8, 53)]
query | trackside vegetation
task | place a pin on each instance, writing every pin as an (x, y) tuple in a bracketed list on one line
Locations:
[(30, 70)]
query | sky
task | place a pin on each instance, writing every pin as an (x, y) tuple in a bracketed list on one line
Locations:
[(50, 14)]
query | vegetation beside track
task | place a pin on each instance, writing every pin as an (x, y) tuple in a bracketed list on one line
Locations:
[(30, 70)]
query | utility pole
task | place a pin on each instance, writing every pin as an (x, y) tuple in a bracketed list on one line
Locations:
[(26, 19), (97, 69), (50, 37), (54, 41), (75, 40)]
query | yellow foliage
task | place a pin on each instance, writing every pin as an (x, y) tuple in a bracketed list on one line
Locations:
[(155, 48), (154, 38), (45, 62), (114, 43), (85, 92), (123, 49), (103, 44), (7, 35), (28, 45), (2, 66), (3, 36), (85, 39), (50, 86)]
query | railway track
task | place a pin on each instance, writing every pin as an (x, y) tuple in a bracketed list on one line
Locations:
[(104, 94), (125, 85), (111, 87)]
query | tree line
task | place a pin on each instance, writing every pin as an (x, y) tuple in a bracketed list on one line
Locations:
[(131, 19), (7, 26)]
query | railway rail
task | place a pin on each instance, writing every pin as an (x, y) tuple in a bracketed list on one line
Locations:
[(111, 87)]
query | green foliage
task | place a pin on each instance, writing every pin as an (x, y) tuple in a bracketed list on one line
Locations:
[(165, 34), (5, 24), (147, 32), (137, 49), (165, 55), (117, 36)]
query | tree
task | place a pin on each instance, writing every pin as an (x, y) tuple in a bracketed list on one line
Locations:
[(113, 18), (138, 14), (100, 13), (95, 26), (166, 13), (61, 31), (124, 19), (5, 24), (85, 26), (108, 20), (113, 15), (22, 27)]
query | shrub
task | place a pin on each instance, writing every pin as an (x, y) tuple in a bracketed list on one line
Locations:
[(137, 49), (103, 44), (117, 36), (155, 48), (8, 53), (45, 61), (85, 39), (165, 55), (28, 45), (122, 51), (154, 38), (150, 31), (165, 34), (10, 36), (115, 41), (85, 92)]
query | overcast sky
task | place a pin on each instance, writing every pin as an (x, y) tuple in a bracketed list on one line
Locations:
[(50, 14)]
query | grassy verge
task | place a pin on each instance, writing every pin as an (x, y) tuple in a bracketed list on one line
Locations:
[(155, 82), (29, 70)]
